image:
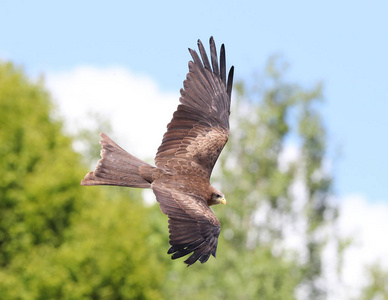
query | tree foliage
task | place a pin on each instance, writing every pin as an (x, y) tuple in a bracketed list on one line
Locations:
[(38, 169), (274, 198), (377, 283), (59, 240)]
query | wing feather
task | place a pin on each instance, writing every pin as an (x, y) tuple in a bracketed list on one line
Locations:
[(193, 227), (223, 64), (201, 121), (203, 55), (213, 55), (230, 82)]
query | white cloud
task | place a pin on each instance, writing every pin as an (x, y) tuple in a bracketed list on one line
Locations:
[(360, 220), (134, 105), (366, 224), (288, 155)]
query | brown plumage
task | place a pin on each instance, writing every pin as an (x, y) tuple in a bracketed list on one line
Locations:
[(190, 148)]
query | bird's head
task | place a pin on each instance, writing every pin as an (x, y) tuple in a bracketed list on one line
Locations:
[(217, 197)]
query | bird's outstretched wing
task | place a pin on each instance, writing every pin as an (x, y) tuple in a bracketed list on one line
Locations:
[(193, 226), (199, 128)]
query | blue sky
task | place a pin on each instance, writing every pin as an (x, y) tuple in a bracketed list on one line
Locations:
[(344, 44)]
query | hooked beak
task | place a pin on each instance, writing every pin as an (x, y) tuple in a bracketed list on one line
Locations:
[(222, 200)]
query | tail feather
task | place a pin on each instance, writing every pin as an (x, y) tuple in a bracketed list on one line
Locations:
[(117, 167)]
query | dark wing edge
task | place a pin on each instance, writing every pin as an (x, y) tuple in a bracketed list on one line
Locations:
[(228, 84), (205, 102), (193, 226), (207, 90)]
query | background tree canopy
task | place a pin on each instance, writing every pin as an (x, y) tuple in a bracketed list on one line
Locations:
[(59, 240)]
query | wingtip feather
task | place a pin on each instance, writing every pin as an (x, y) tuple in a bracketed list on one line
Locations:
[(229, 86)]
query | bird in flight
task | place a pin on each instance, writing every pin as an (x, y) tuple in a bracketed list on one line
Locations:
[(184, 161)]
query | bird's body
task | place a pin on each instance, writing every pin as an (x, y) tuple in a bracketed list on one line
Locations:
[(184, 161)]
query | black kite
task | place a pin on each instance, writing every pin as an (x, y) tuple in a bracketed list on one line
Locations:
[(184, 162)]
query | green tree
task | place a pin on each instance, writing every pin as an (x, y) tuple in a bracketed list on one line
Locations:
[(377, 284), (273, 198), (38, 169), (269, 198), (59, 240)]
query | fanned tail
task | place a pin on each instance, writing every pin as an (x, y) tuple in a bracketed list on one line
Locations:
[(118, 167)]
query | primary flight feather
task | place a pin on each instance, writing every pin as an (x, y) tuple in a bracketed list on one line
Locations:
[(184, 161)]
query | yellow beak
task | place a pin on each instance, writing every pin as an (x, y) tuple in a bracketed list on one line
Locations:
[(222, 200)]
